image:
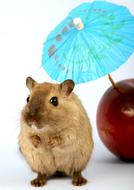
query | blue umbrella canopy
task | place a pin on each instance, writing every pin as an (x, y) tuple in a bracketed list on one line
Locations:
[(92, 41)]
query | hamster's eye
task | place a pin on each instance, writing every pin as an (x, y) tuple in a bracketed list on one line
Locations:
[(54, 101), (28, 98)]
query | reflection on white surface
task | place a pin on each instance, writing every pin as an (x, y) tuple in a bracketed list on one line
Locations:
[(103, 172)]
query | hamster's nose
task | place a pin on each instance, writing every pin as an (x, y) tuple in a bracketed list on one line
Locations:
[(33, 122), (33, 117)]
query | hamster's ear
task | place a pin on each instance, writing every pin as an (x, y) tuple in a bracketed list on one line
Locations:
[(67, 86), (30, 83)]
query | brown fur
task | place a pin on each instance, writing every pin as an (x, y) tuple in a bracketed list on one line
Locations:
[(62, 138)]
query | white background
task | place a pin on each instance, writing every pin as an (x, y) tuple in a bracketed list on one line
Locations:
[(24, 25)]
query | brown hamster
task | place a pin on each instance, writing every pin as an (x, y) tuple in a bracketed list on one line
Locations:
[(55, 134)]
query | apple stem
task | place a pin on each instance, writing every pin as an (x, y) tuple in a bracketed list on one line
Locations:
[(113, 84)]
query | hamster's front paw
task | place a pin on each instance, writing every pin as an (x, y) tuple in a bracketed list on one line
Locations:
[(54, 141), (36, 141)]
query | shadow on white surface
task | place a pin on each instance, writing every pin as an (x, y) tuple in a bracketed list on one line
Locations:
[(104, 172)]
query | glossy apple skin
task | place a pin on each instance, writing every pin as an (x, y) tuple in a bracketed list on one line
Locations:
[(115, 120)]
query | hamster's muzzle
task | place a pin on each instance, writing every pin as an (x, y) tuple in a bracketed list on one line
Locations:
[(32, 117)]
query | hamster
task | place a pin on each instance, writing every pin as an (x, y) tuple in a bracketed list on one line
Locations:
[(55, 134)]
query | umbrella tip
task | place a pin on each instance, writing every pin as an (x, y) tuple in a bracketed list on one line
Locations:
[(78, 24)]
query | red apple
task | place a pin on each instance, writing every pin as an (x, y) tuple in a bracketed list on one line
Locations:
[(115, 119)]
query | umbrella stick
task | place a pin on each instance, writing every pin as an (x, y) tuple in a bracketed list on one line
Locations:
[(114, 84)]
